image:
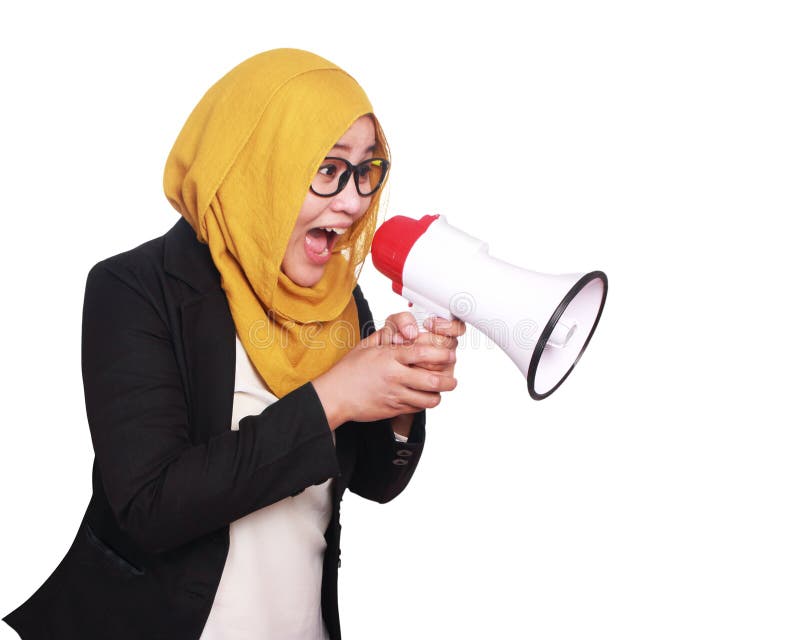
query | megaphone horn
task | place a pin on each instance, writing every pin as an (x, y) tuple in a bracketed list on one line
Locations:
[(447, 272)]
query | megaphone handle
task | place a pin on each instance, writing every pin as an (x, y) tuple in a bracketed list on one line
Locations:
[(420, 315), (428, 306)]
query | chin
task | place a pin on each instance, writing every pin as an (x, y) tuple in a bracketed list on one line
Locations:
[(304, 277), (309, 282)]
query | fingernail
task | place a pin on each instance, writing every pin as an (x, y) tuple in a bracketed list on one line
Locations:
[(397, 339), (452, 357), (428, 323)]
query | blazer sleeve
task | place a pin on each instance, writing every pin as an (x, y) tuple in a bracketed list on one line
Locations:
[(383, 466), (164, 489)]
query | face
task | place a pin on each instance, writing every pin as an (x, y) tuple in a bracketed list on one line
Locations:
[(322, 220)]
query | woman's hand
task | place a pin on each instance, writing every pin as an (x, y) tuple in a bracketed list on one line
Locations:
[(402, 329), (387, 375)]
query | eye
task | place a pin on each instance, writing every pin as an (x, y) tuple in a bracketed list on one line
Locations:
[(328, 170), (363, 170)]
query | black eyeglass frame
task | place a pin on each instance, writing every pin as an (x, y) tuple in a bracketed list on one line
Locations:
[(351, 170)]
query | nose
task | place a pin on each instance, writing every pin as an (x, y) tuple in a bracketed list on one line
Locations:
[(348, 200)]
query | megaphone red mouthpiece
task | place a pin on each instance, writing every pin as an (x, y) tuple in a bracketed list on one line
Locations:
[(393, 241)]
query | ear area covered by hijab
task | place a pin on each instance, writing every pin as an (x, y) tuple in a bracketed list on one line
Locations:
[(239, 172)]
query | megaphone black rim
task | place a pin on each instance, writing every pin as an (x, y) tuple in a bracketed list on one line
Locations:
[(548, 329)]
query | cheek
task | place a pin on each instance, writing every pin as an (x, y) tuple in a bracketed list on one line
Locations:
[(364, 207), (310, 210)]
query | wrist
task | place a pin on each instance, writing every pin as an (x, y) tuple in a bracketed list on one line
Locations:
[(401, 424), (331, 401)]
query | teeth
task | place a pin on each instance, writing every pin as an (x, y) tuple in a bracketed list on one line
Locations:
[(338, 232)]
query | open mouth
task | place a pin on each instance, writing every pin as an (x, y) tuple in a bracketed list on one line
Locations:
[(320, 240)]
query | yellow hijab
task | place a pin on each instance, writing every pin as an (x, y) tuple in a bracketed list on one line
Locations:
[(239, 172)]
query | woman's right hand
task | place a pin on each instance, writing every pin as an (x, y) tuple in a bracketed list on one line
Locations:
[(378, 380)]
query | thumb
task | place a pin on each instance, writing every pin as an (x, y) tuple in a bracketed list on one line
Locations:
[(381, 337), (402, 327)]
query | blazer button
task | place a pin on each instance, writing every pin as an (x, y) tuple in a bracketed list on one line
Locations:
[(399, 462), (405, 453)]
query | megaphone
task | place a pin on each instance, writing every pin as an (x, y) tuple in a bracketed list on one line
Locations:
[(543, 322)]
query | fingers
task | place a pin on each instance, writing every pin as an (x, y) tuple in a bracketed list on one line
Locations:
[(440, 326), (438, 340), (428, 348), (438, 355), (376, 339), (417, 400), (425, 353), (423, 390), (421, 380), (436, 367), (401, 328)]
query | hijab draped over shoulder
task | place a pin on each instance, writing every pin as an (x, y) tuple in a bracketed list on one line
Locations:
[(239, 172)]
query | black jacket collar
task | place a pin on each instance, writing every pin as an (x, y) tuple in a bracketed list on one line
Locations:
[(189, 259)]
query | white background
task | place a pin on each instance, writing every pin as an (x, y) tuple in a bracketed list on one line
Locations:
[(655, 494)]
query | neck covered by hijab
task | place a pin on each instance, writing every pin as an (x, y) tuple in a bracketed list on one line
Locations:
[(239, 172)]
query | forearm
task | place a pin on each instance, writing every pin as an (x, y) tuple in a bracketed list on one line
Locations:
[(385, 466), (273, 455)]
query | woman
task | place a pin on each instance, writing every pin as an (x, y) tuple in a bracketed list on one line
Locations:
[(219, 358)]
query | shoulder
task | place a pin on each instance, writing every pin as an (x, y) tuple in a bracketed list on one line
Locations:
[(176, 261), (134, 277), (145, 259)]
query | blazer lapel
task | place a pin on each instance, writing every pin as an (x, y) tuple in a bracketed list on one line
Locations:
[(207, 332)]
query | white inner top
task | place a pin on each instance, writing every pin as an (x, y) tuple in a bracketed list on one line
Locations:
[(270, 586)]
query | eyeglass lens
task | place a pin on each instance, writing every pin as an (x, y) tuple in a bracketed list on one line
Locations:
[(333, 174)]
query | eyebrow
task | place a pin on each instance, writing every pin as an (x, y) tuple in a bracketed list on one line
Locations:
[(347, 147)]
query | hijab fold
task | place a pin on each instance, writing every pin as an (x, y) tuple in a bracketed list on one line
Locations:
[(239, 172)]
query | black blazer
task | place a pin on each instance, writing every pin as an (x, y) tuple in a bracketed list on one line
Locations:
[(158, 358)]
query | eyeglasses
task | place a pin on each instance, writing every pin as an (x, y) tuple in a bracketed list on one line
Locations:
[(334, 173)]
